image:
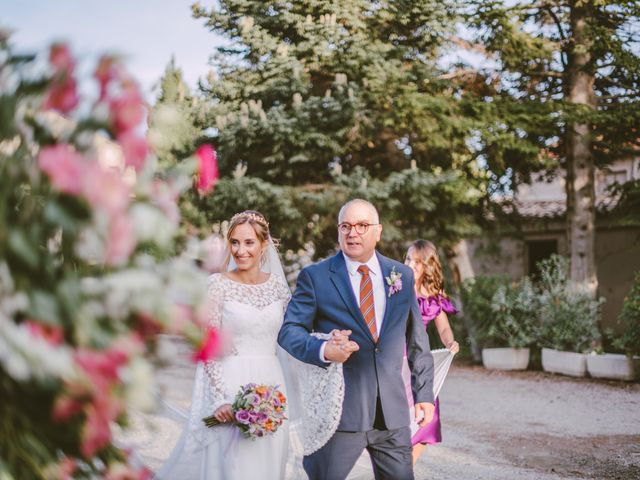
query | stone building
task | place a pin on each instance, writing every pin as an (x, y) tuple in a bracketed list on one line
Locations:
[(542, 232)]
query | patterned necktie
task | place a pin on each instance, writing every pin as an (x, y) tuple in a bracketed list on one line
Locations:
[(366, 301)]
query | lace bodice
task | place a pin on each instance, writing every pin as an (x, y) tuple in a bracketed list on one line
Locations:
[(249, 316)]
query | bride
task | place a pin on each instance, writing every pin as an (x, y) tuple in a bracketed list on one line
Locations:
[(247, 304)]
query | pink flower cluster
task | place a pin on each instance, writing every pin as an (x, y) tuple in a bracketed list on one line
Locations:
[(209, 348), (126, 110), (94, 395), (105, 191), (207, 168), (62, 94), (117, 90)]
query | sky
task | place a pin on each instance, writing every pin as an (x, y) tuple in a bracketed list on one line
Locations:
[(145, 32)]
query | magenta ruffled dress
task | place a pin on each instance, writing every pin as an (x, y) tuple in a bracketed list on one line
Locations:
[(430, 308)]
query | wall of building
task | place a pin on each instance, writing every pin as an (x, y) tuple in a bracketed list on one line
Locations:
[(617, 259)]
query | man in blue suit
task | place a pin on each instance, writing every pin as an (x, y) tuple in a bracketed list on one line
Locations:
[(368, 302)]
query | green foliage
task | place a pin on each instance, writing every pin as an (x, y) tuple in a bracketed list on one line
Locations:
[(477, 295), (569, 316), (175, 122), (304, 84), (532, 44), (627, 210), (232, 195), (515, 320), (629, 341)]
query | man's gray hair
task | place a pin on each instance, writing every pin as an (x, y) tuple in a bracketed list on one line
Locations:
[(359, 201)]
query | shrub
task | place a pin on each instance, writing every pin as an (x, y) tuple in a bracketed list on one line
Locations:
[(515, 315), (476, 295), (629, 341), (569, 317)]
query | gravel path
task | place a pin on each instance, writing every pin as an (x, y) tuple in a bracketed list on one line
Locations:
[(496, 425)]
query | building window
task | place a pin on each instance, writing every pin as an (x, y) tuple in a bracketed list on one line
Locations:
[(538, 250)]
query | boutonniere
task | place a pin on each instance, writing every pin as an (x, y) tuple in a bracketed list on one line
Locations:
[(394, 280)]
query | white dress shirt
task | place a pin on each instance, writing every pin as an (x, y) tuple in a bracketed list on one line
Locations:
[(377, 283)]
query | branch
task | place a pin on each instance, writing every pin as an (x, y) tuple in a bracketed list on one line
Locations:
[(563, 36), (460, 73)]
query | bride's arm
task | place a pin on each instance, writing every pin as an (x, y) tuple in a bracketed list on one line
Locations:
[(298, 323), (213, 367)]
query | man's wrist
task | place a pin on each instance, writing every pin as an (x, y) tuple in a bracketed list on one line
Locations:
[(322, 357)]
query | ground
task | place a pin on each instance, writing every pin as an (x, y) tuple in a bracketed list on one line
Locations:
[(495, 425)]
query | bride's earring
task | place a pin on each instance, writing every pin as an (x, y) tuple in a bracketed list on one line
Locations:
[(263, 258)]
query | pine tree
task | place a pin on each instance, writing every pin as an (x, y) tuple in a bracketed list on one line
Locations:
[(564, 91), (302, 85), (177, 120)]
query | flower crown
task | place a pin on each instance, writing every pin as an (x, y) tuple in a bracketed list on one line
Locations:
[(250, 216)]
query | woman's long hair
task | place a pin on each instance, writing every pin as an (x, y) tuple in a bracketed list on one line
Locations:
[(432, 279)]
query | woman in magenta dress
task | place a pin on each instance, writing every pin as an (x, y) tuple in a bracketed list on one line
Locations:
[(422, 257)]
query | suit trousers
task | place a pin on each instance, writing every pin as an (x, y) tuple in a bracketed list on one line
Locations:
[(390, 452)]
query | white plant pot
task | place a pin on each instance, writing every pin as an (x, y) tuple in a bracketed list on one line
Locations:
[(505, 358), (614, 366), (566, 363)]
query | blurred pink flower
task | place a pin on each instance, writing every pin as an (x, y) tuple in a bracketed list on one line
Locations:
[(96, 432), (208, 168), (62, 94), (65, 167), (127, 110), (107, 70), (106, 190), (101, 366), (60, 58), (120, 471), (135, 149), (65, 407), (51, 334), (209, 348), (121, 241)]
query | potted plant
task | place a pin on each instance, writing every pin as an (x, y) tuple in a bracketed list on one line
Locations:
[(513, 327), (476, 294), (625, 366), (569, 320)]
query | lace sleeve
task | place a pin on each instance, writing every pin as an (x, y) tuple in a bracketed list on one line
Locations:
[(284, 293), (213, 368)]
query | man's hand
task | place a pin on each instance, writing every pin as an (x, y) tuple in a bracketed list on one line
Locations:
[(340, 348), (224, 413), (424, 410)]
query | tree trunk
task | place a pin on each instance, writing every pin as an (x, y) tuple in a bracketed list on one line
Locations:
[(580, 184)]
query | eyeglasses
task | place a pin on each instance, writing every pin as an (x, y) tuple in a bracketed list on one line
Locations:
[(361, 228)]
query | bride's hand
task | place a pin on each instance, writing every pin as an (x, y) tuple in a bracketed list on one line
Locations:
[(224, 413), (340, 353), (340, 337)]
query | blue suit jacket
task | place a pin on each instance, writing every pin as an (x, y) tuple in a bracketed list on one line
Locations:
[(324, 300)]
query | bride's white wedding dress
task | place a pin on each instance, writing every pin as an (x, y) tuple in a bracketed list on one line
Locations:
[(249, 317)]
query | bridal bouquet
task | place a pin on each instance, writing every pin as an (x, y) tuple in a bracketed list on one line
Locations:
[(259, 410)]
